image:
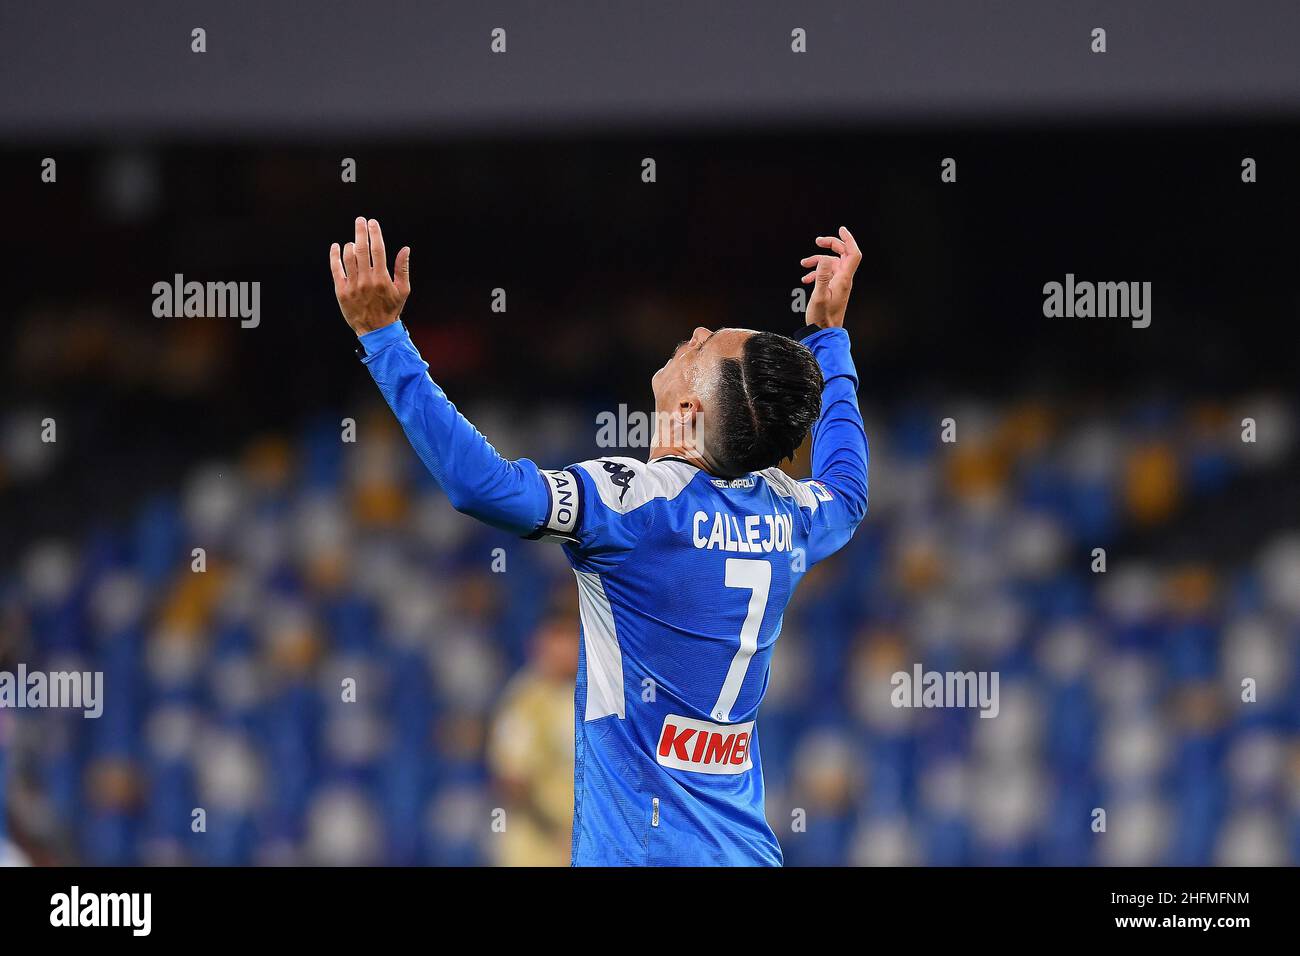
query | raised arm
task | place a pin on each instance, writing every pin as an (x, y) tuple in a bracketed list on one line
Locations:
[(839, 453), (512, 495)]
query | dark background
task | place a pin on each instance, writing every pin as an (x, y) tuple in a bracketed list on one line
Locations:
[(603, 271)]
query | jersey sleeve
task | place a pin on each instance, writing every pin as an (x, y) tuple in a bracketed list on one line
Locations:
[(511, 495), (835, 497), (591, 506)]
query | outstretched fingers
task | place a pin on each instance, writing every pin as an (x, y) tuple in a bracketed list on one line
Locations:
[(336, 268), (377, 252), (402, 271), (852, 254), (815, 264), (835, 245), (361, 243)]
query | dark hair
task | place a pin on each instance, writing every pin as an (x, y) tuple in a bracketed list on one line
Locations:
[(764, 404)]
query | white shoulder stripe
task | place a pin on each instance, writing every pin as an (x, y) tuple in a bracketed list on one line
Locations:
[(787, 487), (625, 483), (605, 695)]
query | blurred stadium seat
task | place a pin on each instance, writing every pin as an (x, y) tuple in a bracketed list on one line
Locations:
[(328, 561)]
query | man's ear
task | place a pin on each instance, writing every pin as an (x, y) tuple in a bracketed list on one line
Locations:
[(688, 420)]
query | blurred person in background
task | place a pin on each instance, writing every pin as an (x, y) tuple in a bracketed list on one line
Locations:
[(10, 854), (530, 750)]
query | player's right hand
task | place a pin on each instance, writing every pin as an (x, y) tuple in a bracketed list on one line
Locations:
[(369, 297), (832, 278)]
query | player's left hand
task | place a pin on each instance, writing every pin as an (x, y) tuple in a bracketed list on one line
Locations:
[(832, 278), (369, 297)]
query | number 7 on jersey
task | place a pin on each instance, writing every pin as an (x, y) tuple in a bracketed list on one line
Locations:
[(756, 577)]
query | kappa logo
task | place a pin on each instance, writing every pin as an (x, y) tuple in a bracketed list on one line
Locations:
[(620, 475), (702, 747)]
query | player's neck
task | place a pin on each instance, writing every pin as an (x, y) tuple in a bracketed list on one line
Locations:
[(672, 439), (688, 455)]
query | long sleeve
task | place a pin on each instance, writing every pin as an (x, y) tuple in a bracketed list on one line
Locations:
[(511, 495), (839, 452)]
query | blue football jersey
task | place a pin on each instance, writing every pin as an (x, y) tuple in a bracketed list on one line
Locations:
[(683, 578)]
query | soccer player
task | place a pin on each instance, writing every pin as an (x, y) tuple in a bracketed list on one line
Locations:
[(684, 562)]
